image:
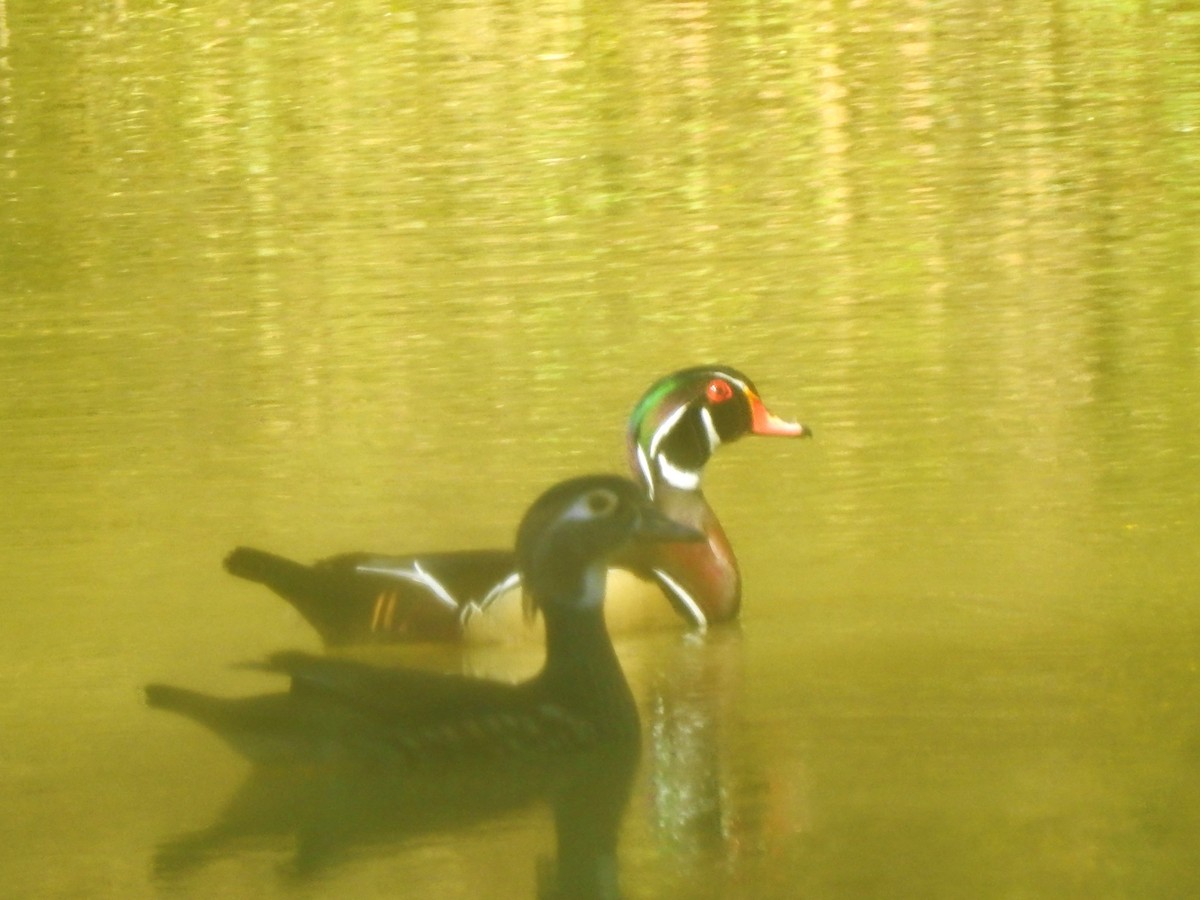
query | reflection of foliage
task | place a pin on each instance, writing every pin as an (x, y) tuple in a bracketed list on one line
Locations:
[(858, 131)]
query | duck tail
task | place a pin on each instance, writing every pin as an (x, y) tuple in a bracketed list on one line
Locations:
[(190, 704), (280, 574), (335, 600)]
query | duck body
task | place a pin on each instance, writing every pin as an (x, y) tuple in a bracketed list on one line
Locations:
[(341, 709), (674, 429)]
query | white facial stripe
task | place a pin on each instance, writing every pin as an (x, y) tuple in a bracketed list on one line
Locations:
[(676, 477), (416, 575), (647, 474), (714, 439), (745, 387), (661, 432), (735, 381), (676, 589)]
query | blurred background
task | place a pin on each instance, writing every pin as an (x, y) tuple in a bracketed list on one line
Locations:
[(324, 276)]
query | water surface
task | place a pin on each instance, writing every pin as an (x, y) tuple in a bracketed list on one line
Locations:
[(320, 277)]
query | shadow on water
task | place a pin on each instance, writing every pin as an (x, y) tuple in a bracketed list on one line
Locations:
[(343, 811), (372, 805)]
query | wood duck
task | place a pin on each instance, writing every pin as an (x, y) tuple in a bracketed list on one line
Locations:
[(341, 709), (673, 431)]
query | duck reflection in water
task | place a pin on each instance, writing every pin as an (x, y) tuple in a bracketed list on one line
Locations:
[(354, 752)]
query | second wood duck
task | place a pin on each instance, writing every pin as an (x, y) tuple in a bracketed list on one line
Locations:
[(674, 429)]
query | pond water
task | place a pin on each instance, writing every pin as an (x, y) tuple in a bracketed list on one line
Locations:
[(330, 276)]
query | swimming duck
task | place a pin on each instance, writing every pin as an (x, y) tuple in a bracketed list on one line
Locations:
[(673, 431), (340, 709)]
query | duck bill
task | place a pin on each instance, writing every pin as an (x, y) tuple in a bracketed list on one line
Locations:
[(654, 526), (766, 423)]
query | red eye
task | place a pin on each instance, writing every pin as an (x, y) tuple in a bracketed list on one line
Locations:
[(718, 391)]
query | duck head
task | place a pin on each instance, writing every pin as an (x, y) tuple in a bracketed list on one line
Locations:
[(683, 418), (675, 428), (566, 538)]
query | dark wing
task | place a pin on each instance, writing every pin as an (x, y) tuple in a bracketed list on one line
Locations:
[(391, 693)]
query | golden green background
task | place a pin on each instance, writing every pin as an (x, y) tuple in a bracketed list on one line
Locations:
[(333, 275)]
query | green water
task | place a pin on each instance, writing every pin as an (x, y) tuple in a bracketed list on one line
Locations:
[(330, 276)]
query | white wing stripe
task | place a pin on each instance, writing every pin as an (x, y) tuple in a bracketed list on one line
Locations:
[(693, 608), (416, 575)]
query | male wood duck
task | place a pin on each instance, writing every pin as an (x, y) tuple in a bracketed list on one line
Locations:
[(344, 710), (673, 430)]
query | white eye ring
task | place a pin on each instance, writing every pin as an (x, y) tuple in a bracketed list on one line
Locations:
[(601, 503)]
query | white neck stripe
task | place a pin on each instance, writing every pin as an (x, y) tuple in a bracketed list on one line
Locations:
[(676, 477), (644, 465), (661, 432)]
